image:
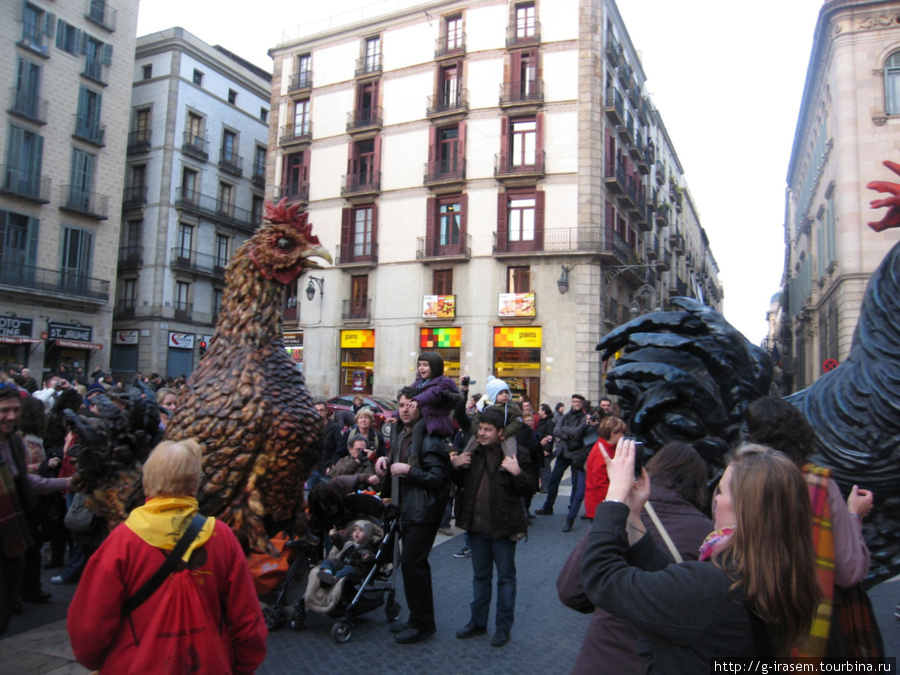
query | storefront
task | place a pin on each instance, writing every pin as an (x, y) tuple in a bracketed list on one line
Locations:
[(293, 343), (357, 361), (69, 345), (180, 354), (446, 342), (124, 357), (16, 342), (517, 360)]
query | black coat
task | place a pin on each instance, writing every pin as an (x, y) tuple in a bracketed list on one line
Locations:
[(424, 490)]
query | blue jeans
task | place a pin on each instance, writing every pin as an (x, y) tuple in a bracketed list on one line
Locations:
[(331, 566), (314, 479), (578, 477), (486, 553)]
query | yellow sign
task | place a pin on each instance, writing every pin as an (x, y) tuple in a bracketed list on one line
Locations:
[(357, 339), (358, 364), (506, 365), (527, 337)]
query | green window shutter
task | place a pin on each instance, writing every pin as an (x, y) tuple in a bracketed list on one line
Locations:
[(106, 56), (33, 229)]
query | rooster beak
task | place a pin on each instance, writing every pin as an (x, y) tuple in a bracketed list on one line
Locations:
[(316, 252)]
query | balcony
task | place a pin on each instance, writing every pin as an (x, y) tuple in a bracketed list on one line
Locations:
[(431, 248), (454, 45), (300, 81), (678, 244), (442, 171), (191, 261), (368, 65), (520, 35), (184, 311), (508, 165), (445, 104), (586, 241), (356, 309), (634, 95), (643, 219), (629, 196), (366, 118), (125, 308), (131, 256), (615, 176), (645, 161), (33, 39), (27, 106), (93, 70), (644, 111), (361, 182), (295, 133), (625, 128), (196, 146), (294, 192), (38, 280), (139, 141), (206, 205), (661, 216), (664, 262), (90, 204), (615, 313), (613, 50), (100, 14), (136, 195), (636, 146), (24, 184), (614, 106), (364, 254), (258, 177), (231, 163), (521, 92), (89, 129), (651, 253), (626, 75), (660, 173)]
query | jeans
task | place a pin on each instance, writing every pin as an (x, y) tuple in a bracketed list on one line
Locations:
[(417, 541), (339, 573), (486, 553), (578, 476), (555, 479), (314, 479)]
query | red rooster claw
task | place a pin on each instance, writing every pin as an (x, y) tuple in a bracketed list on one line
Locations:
[(892, 217)]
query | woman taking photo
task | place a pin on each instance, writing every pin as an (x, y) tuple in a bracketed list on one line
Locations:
[(754, 591)]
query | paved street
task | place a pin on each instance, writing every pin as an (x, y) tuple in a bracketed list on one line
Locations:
[(545, 638)]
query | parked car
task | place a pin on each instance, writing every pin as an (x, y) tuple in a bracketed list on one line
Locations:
[(383, 408)]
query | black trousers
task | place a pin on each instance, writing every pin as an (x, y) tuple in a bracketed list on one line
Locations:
[(10, 586), (417, 542)]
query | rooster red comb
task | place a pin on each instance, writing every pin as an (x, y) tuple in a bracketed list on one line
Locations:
[(282, 214)]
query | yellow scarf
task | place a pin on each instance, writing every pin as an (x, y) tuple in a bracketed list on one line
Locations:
[(162, 520)]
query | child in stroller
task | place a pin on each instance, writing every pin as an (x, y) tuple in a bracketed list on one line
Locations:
[(356, 555)]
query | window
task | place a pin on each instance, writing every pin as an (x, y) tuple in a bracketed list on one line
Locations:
[(451, 91), (367, 104), (296, 176), (518, 279), (232, 96), (525, 20), (182, 297), (256, 209), (217, 302), (521, 219), (301, 118), (82, 181), (97, 11), (363, 165), (198, 78), (523, 142), (359, 296), (127, 294), (36, 23), (87, 120), (28, 87), (195, 129), (449, 221), (520, 225), (442, 282), (453, 32), (139, 175), (229, 147), (372, 56), (445, 225), (362, 232), (892, 84), (136, 192), (147, 72), (185, 240), (18, 247), (68, 38), (263, 114), (141, 133), (189, 186), (523, 75), (75, 265), (259, 162), (222, 252), (225, 203), (133, 234), (24, 156), (304, 71), (96, 55), (448, 149)]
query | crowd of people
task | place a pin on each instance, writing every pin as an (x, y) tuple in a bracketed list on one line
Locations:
[(670, 573)]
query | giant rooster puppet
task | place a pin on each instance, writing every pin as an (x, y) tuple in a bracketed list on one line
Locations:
[(688, 375), (246, 402)]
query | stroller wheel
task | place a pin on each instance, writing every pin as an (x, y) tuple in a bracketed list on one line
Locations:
[(274, 617), (392, 611), (299, 617), (341, 631)]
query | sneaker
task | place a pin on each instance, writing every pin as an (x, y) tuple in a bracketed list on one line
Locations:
[(57, 580), (464, 552)]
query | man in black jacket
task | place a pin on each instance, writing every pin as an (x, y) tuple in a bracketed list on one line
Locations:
[(570, 431), (490, 509), (420, 484), (331, 435)]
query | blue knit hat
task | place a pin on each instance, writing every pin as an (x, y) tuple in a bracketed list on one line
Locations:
[(493, 388)]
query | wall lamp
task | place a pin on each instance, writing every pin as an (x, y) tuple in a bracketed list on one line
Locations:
[(311, 289), (563, 282)]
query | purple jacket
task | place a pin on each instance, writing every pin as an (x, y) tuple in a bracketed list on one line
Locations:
[(435, 405)]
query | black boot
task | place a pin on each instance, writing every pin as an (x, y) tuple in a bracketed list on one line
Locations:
[(568, 526)]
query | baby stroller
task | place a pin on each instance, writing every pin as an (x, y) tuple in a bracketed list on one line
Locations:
[(280, 582), (356, 595)]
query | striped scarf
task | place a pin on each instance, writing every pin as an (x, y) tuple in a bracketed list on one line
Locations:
[(14, 532), (816, 642)]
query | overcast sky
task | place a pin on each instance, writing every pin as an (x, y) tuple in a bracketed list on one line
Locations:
[(726, 77)]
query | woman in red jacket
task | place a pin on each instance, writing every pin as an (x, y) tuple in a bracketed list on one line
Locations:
[(105, 640), (596, 482)]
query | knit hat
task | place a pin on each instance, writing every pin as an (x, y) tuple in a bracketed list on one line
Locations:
[(493, 388), (95, 387), (365, 526)]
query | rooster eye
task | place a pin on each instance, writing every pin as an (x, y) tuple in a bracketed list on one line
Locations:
[(284, 244)]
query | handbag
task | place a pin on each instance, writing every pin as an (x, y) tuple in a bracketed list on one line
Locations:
[(79, 519)]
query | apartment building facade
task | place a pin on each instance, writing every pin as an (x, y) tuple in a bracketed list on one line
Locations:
[(495, 185), (849, 123), (68, 74), (194, 189)]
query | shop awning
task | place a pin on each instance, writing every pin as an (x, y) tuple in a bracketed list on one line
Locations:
[(18, 340), (73, 344)]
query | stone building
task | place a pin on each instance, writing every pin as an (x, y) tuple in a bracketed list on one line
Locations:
[(494, 183), (68, 76), (849, 122), (194, 184)]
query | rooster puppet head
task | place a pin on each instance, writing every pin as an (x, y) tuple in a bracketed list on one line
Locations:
[(284, 246)]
